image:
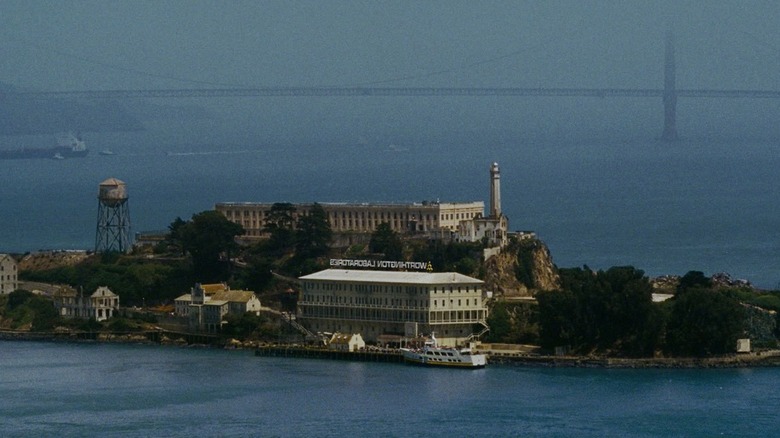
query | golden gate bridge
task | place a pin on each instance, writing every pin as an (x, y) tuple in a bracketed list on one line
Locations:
[(669, 93)]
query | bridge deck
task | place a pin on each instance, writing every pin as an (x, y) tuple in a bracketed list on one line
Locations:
[(386, 91)]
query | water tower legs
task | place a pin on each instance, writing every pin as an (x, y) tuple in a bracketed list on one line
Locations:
[(113, 228), (113, 222)]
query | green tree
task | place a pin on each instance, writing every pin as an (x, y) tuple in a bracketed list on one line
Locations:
[(610, 310), (693, 280), (704, 322), (386, 241), (448, 256), (500, 323), (280, 224), (257, 274), (242, 326), (148, 283), (631, 319), (18, 298), (23, 307), (466, 266), (45, 315), (313, 233), (174, 234), (206, 237), (558, 319)]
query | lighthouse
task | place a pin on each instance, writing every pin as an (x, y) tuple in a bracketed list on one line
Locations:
[(495, 191)]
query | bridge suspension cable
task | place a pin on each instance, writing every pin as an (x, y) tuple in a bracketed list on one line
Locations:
[(385, 91)]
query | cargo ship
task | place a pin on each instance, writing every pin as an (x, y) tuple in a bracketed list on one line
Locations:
[(68, 146)]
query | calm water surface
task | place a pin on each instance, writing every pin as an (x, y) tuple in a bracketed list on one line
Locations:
[(53, 389), (663, 208)]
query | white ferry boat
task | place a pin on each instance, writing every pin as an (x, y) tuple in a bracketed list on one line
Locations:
[(433, 355)]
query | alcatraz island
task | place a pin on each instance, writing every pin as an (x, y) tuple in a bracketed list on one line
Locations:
[(372, 278)]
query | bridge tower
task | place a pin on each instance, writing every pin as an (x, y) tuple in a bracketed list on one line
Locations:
[(670, 91), (113, 221)]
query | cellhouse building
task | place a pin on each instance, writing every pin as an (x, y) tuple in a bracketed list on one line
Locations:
[(459, 221), (391, 305), (423, 217)]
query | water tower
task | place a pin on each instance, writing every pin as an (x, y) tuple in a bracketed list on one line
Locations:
[(113, 221)]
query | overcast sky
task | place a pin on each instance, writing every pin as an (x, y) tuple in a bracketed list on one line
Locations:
[(73, 45), (94, 45)]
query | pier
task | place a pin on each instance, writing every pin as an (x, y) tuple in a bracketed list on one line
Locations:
[(322, 353)]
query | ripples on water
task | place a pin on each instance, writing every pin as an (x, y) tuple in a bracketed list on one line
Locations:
[(119, 390)]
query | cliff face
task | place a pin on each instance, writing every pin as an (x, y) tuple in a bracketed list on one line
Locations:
[(523, 268), (45, 260)]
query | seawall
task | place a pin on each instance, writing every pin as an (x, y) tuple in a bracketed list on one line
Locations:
[(322, 353)]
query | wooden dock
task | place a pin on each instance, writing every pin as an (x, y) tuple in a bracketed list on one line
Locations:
[(322, 353)]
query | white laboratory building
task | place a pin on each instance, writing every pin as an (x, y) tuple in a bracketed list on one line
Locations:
[(396, 303)]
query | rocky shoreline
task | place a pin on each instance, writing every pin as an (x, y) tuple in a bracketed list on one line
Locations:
[(753, 360)]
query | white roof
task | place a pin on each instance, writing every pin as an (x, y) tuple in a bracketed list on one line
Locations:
[(395, 277), (103, 291)]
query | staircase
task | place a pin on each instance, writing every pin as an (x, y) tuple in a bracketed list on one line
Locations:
[(290, 318), (484, 330)]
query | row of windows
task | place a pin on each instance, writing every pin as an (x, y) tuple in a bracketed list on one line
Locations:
[(469, 302), (378, 215), (368, 301), (371, 328), (335, 223), (231, 213), (347, 223), (2, 268), (107, 302), (458, 216), (374, 288), (392, 315), (236, 214)]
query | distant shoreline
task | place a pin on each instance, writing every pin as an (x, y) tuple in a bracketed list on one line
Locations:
[(750, 360)]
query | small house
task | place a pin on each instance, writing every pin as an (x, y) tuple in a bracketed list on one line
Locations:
[(346, 342)]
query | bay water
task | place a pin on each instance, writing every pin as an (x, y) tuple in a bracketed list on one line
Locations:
[(692, 205), (68, 390), (707, 205)]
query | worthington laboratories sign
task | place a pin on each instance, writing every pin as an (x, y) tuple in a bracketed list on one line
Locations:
[(381, 264)]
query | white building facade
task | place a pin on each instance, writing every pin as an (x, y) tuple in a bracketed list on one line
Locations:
[(432, 218), (346, 342), (9, 280), (408, 304), (101, 305), (206, 311)]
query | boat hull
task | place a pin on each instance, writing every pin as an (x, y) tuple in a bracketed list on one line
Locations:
[(456, 360)]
